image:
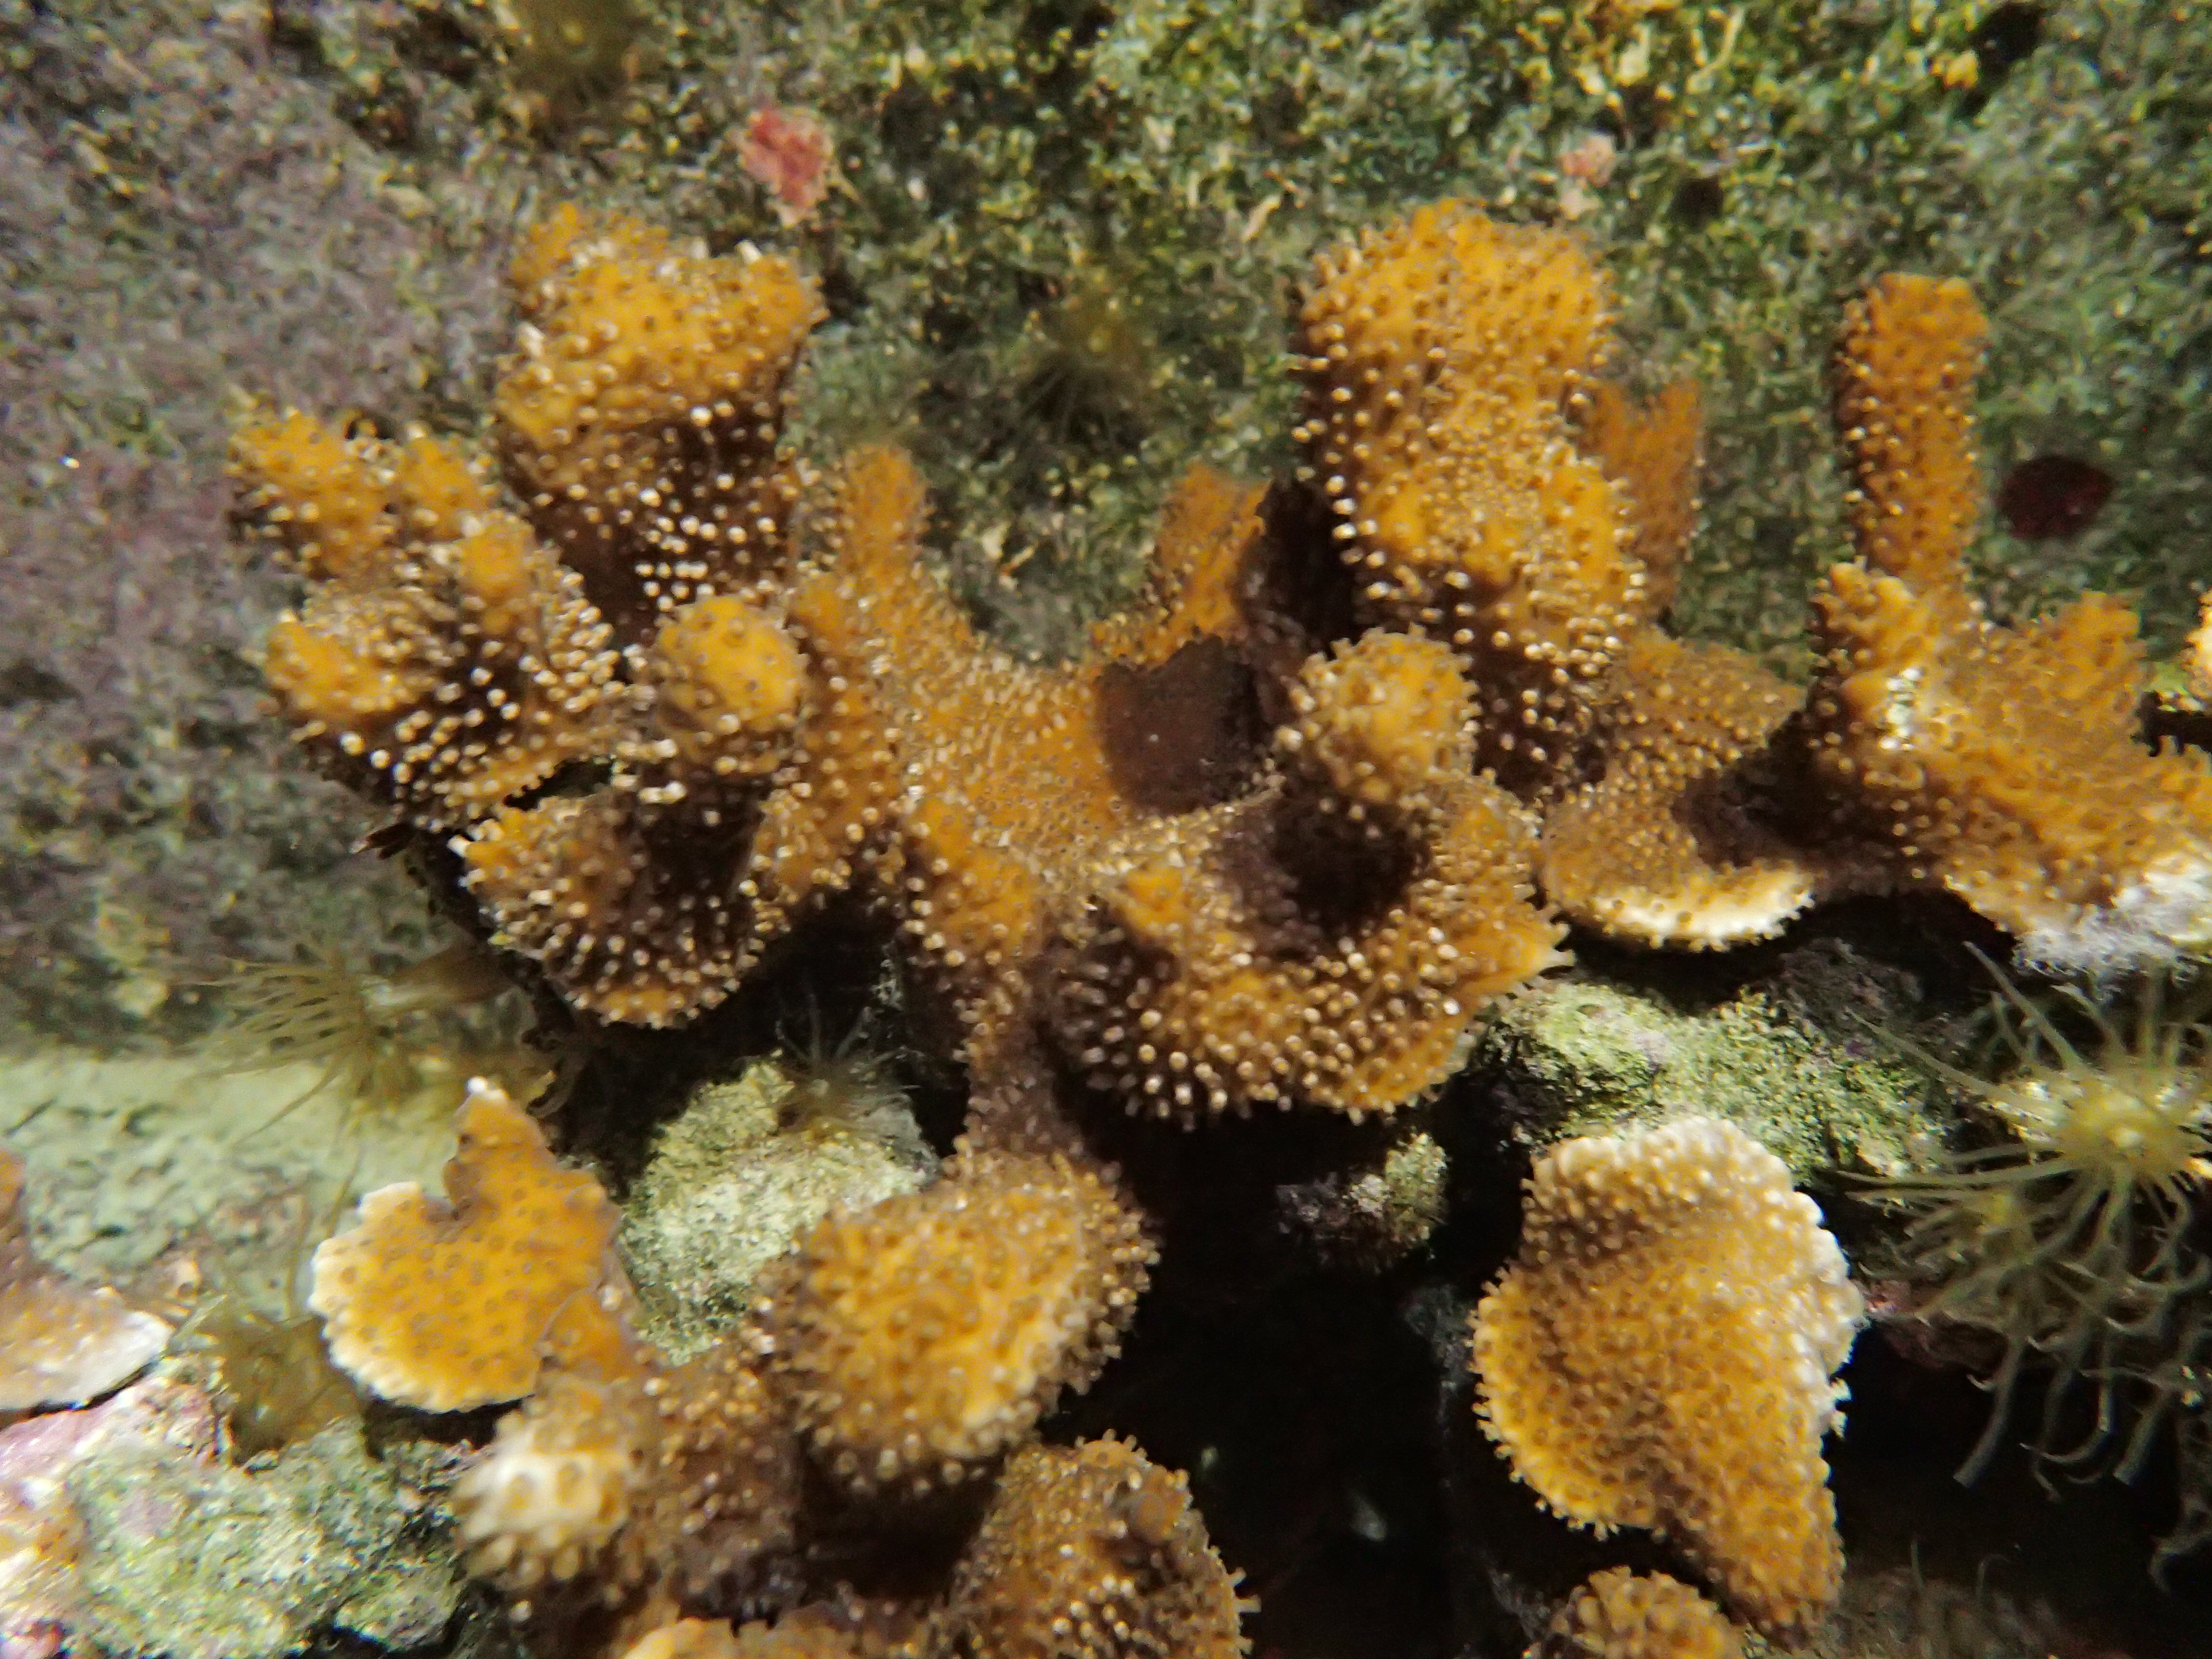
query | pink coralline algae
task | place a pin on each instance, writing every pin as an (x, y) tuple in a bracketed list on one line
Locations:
[(39, 1533), (789, 151)]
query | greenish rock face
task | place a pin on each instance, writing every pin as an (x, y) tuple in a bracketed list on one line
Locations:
[(201, 1561), (736, 1178), (1795, 1061)]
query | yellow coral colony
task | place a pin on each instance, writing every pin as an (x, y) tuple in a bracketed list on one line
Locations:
[(519, 1242), (449, 660), (638, 1482), (1619, 1614), (1093, 1551), (1440, 357), (1659, 1355), (1998, 763)]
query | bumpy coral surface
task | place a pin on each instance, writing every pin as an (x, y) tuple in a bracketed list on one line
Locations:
[(518, 1242), (1094, 1552), (1668, 846), (1999, 764), (61, 1343), (454, 655), (1326, 940), (1619, 1614), (640, 421), (770, 733), (921, 1338), (634, 1474), (1440, 355), (445, 660), (1659, 1354)]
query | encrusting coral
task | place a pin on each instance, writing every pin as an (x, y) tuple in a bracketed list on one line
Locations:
[(662, 697), (61, 1343), (1619, 1614), (1659, 1355), (921, 1338), (517, 1240), (1094, 1552)]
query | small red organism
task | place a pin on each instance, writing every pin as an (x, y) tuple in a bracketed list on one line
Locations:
[(2051, 497), (789, 151)]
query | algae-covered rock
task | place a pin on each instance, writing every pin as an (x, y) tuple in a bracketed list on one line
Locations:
[(1374, 1213), (746, 1167), (1796, 1061), (201, 1560)]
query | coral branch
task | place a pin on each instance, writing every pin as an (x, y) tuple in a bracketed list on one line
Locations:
[(1659, 1356)]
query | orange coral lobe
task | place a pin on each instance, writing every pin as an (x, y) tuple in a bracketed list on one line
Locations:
[(920, 1338), (1439, 355), (1094, 1552), (1911, 351), (1619, 1614), (516, 1241), (317, 495), (1659, 1354), (640, 423)]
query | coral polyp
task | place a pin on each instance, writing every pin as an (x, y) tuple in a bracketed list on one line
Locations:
[(2069, 1238)]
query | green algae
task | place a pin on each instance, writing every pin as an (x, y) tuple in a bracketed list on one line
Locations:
[(200, 1561), (734, 1179), (1579, 1056)]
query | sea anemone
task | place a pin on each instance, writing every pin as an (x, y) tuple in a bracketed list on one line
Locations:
[(2068, 1239), (384, 1039)]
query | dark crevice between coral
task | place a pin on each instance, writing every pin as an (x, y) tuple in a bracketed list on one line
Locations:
[(2082, 1547), (1299, 1401), (1185, 734)]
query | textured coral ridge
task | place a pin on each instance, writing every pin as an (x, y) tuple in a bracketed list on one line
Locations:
[(1619, 1614), (1660, 1352), (920, 1338), (910, 1346), (1493, 493), (1194, 960), (1999, 764), (518, 1241), (638, 611), (770, 732), (1442, 354), (1093, 1551), (61, 1343), (1325, 939)]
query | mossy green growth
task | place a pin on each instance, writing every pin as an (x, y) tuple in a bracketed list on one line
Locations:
[(737, 1177), (1373, 1214), (207, 1561), (1583, 1056)]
